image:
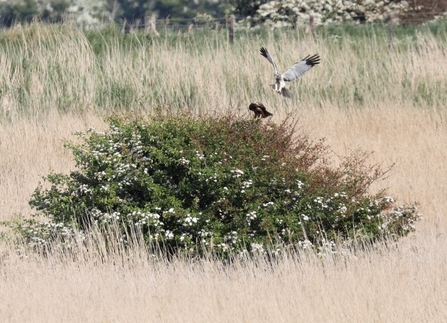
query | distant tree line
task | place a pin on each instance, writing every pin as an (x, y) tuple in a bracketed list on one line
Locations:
[(91, 13)]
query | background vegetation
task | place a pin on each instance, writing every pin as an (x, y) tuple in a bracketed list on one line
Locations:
[(363, 95), (58, 68), (143, 14)]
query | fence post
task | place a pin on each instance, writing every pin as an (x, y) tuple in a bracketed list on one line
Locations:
[(151, 24), (231, 29), (166, 23), (390, 32), (311, 27)]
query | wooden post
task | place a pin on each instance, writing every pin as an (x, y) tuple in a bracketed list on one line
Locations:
[(231, 29), (167, 20), (311, 27), (390, 32), (151, 24)]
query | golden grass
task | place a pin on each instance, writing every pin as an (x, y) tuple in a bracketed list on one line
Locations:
[(411, 139), (30, 150), (403, 283)]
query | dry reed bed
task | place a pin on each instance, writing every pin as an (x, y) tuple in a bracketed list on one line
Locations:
[(44, 69), (406, 283), (413, 140), (401, 284), (31, 149)]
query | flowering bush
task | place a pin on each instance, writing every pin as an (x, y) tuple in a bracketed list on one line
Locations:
[(298, 12), (214, 185)]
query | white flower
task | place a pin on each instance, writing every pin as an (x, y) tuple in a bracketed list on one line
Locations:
[(189, 221), (169, 235), (184, 161), (251, 216), (388, 199), (237, 172), (247, 184), (257, 247), (306, 244)]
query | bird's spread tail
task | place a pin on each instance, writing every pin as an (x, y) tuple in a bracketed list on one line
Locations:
[(286, 92), (266, 114), (283, 91)]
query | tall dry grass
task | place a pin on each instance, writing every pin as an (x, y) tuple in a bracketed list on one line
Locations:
[(361, 96), (403, 283), (45, 69)]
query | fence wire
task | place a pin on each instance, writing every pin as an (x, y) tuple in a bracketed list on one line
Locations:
[(187, 25)]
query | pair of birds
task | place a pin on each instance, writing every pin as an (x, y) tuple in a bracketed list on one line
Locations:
[(296, 71)]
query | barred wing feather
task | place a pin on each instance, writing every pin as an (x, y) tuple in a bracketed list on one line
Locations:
[(267, 55), (300, 68)]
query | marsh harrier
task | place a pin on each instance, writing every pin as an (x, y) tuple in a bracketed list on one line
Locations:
[(259, 109), (297, 70)]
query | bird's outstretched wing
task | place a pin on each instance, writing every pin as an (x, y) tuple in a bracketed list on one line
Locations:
[(267, 55), (300, 68)]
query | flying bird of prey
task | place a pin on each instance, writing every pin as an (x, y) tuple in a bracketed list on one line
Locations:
[(297, 70), (259, 109)]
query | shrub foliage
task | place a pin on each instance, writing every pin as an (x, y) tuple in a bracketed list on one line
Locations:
[(214, 185)]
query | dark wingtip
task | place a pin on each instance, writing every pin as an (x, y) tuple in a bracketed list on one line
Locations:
[(312, 60), (263, 51)]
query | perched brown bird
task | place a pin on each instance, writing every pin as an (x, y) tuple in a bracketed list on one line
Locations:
[(259, 109)]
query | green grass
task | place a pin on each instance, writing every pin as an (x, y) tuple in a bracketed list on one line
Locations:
[(371, 30)]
